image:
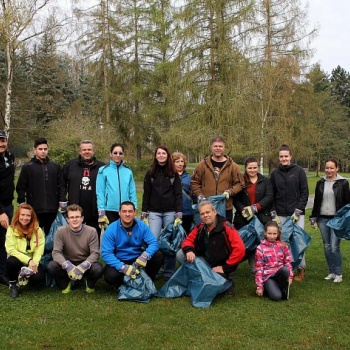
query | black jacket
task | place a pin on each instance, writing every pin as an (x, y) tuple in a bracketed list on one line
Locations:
[(161, 194), (80, 183), (41, 185), (264, 197), (290, 189), (7, 174), (341, 192)]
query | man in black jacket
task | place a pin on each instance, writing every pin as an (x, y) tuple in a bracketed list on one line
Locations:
[(79, 176), (7, 187), (40, 184)]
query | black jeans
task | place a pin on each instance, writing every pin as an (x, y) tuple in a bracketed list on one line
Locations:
[(61, 277), (3, 255), (115, 278)]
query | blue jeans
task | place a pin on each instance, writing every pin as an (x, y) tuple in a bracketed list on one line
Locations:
[(331, 247), (158, 221)]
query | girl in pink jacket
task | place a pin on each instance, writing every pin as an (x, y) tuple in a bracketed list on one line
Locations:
[(273, 265)]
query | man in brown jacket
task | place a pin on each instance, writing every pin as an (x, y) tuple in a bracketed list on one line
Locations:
[(217, 174)]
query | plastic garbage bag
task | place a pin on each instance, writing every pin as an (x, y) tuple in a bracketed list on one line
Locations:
[(341, 222), (196, 280), (252, 234), (170, 239), (297, 239), (219, 202), (139, 289), (49, 239)]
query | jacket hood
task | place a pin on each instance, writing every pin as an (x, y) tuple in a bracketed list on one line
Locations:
[(36, 160), (338, 177), (287, 167)]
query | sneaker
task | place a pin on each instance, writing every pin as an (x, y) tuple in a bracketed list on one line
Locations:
[(331, 276), (68, 288), (89, 290), (14, 290), (338, 279)]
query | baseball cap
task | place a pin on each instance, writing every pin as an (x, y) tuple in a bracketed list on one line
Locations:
[(3, 134)]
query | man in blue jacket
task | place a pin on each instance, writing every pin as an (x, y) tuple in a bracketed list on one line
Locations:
[(123, 248)]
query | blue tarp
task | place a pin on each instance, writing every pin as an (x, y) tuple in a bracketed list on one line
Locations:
[(219, 202), (252, 234), (196, 280), (341, 222), (170, 239)]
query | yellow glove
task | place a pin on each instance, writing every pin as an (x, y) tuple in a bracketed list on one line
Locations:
[(247, 213), (275, 218), (102, 219)]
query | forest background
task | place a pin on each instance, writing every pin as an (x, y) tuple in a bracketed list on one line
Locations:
[(150, 72)]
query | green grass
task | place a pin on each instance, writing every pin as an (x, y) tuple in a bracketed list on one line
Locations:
[(315, 317)]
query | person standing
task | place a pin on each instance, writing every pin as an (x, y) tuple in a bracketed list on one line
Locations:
[(331, 194), (40, 184), (217, 174), (291, 193), (162, 199), (79, 176), (180, 163), (115, 184), (7, 187)]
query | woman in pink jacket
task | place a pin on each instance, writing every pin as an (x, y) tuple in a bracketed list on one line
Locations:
[(273, 265)]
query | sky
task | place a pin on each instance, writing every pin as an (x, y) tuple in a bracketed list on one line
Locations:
[(333, 42)]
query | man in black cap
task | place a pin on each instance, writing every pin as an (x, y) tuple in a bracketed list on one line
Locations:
[(40, 184), (7, 174)]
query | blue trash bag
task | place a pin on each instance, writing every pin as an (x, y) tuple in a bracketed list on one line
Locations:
[(139, 289), (219, 202), (297, 239), (196, 280), (341, 222), (170, 239), (252, 234), (49, 239)]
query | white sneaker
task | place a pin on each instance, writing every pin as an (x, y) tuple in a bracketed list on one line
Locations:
[(338, 278), (331, 276)]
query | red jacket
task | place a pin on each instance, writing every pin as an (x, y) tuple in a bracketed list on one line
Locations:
[(222, 247)]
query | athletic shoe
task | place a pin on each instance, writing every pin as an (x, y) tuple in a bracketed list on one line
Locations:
[(68, 288), (89, 290), (14, 290), (338, 279), (331, 276)]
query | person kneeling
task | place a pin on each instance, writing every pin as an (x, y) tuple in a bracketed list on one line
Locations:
[(123, 248)]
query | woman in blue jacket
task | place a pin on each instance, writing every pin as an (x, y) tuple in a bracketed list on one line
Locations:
[(115, 184)]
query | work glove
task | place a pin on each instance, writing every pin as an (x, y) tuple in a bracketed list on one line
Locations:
[(81, 269), (227, 194), (247, 213), (296, 215), (62, 207), (102, 219), (178, 219), (313, 223), (129, 270), (24, 274), (141, 261), (69, 268), (275, 218), (144, 217), (201, 198)]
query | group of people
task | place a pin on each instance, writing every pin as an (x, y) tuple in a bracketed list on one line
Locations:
[(97, 196)]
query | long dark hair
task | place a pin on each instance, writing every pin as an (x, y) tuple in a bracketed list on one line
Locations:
[(246, 176), (169, 166)]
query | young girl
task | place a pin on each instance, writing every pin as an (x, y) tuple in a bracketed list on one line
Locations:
[(273, 266)]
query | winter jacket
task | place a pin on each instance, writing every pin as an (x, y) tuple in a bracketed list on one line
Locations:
[(7, 175), (118, 246), (264, 198), (16, 246), (186, 194), (341, 192), (161, 194), (269, 258), (40, 184), (204, 182), (222, 247), (115, 185), (290, 189), (80, 183)]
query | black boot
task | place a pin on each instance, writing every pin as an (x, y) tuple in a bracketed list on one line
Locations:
[(14, 289)]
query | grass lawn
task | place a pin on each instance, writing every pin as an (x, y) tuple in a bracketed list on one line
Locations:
[(315, 317)]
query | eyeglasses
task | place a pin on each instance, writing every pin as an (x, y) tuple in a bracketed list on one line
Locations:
[(73, 217), (118, 153)]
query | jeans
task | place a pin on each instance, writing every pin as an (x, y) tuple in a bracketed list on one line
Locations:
[(331, 247), (300, 223), (274, 285), (158, 221)]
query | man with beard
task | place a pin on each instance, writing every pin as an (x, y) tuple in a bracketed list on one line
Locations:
[(7, 187), (79, 177)]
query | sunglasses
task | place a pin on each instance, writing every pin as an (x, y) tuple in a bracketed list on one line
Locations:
[(118, 153)]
